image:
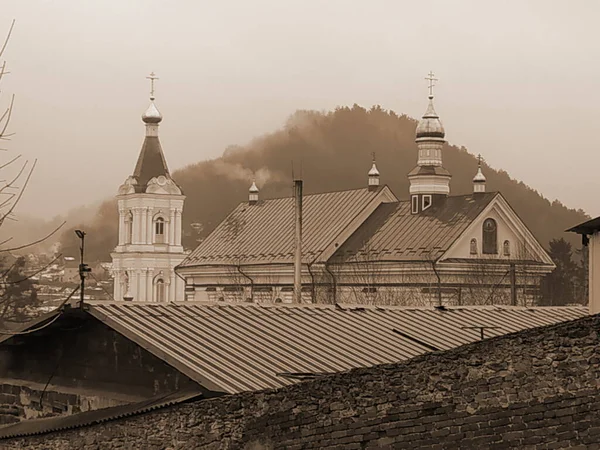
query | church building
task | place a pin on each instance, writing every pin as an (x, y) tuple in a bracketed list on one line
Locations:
[(150, 207), (367, 246)]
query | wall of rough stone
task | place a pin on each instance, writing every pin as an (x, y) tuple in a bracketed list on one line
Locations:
[(533, 389)]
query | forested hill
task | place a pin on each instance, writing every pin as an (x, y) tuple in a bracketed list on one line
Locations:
[(333, 152)]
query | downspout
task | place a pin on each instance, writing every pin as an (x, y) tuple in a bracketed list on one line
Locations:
[(239, 268), (333, 281), (312, 284), (298, 241), (439, 279)]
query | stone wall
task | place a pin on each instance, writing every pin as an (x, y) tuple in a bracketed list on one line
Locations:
[(533, 389)]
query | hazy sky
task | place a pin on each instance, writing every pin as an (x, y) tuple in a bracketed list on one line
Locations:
[(519, 81)]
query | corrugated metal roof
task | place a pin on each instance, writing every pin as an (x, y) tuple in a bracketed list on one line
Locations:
[(264, 232), (392, 233), (234, 348), (46, 425)]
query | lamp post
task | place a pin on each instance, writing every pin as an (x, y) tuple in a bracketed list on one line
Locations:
[(83, 268)]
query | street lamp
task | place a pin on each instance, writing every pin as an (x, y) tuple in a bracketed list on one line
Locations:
[(83, 268)]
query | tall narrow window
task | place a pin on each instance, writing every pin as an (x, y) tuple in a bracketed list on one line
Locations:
[(160, 290), (490, 237), (415, 204), (473, 249), (129, 228), (159, 230), (506, 247)]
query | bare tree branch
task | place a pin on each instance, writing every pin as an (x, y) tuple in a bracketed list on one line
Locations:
[(6, 118), (16, 202), (35, 242), (7, 38), (31, 275), (9, 163)]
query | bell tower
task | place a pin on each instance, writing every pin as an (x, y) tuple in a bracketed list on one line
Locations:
[(429, 181), (150, 209)]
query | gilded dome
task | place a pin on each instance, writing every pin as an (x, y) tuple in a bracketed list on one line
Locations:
[(430, 125)]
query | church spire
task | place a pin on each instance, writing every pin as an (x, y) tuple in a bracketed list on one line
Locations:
[(373, 176), (479, 178), (151, 163), (429, 179), (253, 193)]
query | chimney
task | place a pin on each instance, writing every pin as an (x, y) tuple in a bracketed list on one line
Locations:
[(298, 241)]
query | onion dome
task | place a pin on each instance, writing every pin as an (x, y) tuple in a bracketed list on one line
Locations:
[(430, 125), (479, 177), (152, 114), (253, 189), (373, 172)]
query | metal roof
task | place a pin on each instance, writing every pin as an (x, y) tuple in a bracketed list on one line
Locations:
[(589, 227), (264, 232), (392, 233), (240, 347), (151, 163)]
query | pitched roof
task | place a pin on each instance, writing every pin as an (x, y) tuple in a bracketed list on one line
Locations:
[(392, 233), (151, 163), (589, 227), (264, 232), (237, 347)]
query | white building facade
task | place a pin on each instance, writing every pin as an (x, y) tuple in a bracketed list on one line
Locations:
[(150, 210)]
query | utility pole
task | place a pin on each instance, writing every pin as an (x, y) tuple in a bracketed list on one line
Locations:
[(83, 268)]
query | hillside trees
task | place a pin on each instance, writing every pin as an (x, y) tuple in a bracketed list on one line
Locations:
[(564, 285)]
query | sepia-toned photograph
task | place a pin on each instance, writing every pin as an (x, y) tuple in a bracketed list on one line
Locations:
[(299, 224)]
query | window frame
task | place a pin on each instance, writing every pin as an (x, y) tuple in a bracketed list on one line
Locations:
[(489, 237), (425, 197)]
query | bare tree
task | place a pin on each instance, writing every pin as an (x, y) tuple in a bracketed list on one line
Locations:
[(17, 291)]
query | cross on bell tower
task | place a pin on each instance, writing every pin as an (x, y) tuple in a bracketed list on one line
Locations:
[(431, 80), (152, 77)]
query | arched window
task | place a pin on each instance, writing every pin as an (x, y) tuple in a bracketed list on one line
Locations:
[(506, 247), (473, 247), (159, 230), (129, 228), (490, 237), (160, 290)]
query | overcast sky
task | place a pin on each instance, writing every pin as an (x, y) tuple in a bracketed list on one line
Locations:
[(519, 81)]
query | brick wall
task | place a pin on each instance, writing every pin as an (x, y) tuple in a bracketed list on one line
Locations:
[(534, 389)]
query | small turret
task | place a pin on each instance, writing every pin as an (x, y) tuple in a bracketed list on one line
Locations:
[(479, 179), (253, 194), (373, 176)]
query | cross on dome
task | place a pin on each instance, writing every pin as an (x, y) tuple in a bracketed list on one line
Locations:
[(152, 77), (431, 80)]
